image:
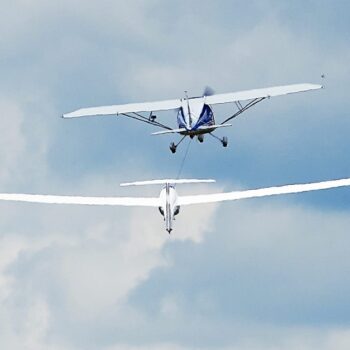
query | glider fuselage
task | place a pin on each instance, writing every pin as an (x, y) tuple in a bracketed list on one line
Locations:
[(169, 207)]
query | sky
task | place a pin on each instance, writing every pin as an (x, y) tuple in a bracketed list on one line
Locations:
[(261, 274)]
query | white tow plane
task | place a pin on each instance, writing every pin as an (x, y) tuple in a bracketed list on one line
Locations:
[(169, 202), (195, 116)]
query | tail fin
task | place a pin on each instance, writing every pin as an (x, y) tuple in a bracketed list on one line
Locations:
[(167, 181)]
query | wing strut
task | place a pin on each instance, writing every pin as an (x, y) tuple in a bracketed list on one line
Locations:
[(242, 109), (148, 120)]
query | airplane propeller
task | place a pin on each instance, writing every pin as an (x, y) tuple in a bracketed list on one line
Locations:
[(208, 91)]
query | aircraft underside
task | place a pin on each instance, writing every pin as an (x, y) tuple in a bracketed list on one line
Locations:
[(199, 133), (195, 117), (196, 121)]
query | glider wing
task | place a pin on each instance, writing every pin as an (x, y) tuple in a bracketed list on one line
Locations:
[(262, 192), (48, 199)]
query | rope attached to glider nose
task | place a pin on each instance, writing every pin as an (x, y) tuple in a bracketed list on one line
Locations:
[(184, 159)]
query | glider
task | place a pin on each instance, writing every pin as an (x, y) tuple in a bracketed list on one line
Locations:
[(195, 116), (169, 202)]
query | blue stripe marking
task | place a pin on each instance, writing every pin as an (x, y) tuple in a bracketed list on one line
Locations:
[(181, 119), (206, 118)]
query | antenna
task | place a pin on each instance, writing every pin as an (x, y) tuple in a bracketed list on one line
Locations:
[(323, 77), (188, 109)]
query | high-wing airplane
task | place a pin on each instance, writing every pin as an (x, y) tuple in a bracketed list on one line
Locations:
[(169, 202), (195, 116)]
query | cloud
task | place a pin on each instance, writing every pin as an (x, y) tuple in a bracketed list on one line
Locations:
[(241, 276), (264, 276), (74, 272), (12, 141)]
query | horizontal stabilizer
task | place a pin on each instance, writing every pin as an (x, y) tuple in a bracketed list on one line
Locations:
[(215, 126), (172, 131), (182, 130), (167, 181)]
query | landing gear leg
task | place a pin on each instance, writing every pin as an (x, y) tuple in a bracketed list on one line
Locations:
[(224, 140), (200, 138), (173, 146)]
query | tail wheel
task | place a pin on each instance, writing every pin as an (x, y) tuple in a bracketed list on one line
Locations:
[(224, 141)]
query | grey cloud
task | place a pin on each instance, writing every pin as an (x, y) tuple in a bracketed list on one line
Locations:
[(265, 266), (111, 279)]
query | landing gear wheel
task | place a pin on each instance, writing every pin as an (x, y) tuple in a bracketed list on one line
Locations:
[(224, 141), (200, 138), (172, 147)]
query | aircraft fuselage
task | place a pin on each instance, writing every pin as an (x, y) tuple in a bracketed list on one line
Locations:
[(169, 207), (194, 114)]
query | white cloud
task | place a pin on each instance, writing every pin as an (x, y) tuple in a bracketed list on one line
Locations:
[(9, 249), (89, 265), (67, 269), (12, 141)]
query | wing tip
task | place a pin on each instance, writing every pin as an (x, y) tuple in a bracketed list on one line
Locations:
[(67, 115)]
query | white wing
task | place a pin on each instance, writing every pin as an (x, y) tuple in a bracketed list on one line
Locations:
[(172, 131), (167, 181), (174, 104), (48, 199), (259, 93), (126, 108), (262, 192)]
